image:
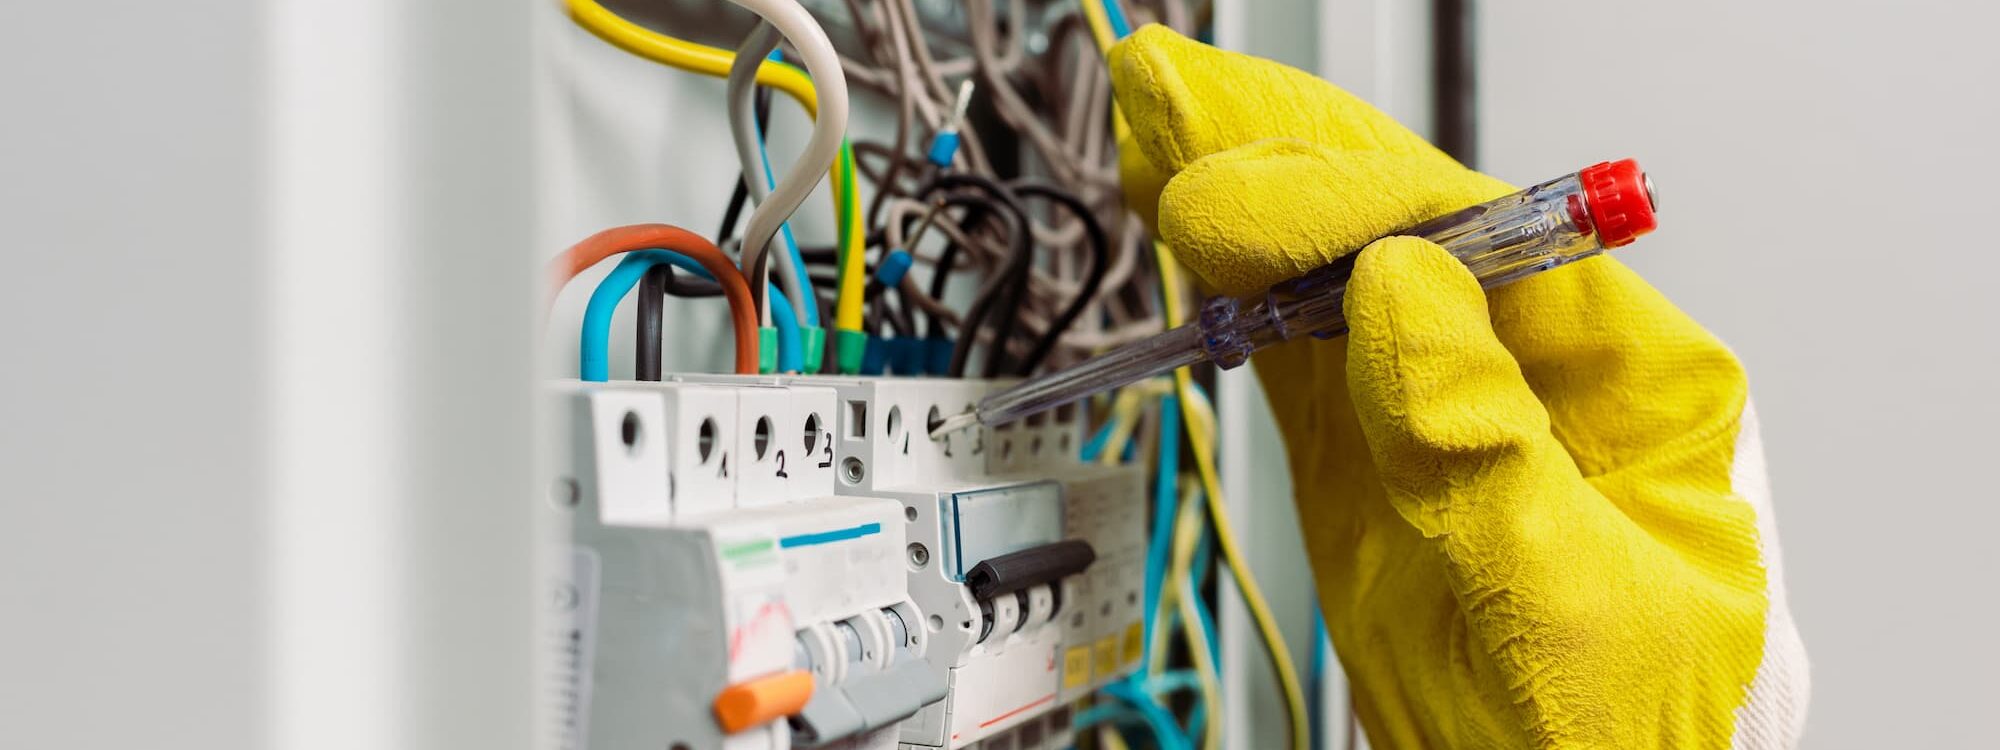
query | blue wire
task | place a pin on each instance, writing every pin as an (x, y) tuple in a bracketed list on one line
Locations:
[(1121, 27), (1316, 676), (1156, 718), (1173, 681), (594, 351), (1165, 507), (791, 243), (1095, 447)]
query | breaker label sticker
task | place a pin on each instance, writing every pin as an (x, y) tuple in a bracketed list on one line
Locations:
[(1076, 667), (1107, 655), (1135, 642), (573, 600)]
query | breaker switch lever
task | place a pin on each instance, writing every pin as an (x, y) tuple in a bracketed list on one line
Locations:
[(1033, 566)]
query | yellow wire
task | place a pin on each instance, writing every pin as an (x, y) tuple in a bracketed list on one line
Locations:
[(1100, 31), (1099, 23), (713, 61), (1202, 437), (1124, 420), (686, 55), (1125, 416), (847, 309), (1187, 531), (1109, 739)]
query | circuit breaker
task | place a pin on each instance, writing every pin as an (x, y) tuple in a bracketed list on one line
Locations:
[(789, 561)]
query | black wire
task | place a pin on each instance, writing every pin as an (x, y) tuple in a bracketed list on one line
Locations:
[(941, 273), (998, 299), (819, 255), (897, 317), (1100, 256), (693, 288), (934, 325), (654, 287), (978, 209), (905, 312), (740, 197), (652, 314)]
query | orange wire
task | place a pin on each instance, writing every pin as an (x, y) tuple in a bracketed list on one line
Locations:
[(625, 239)]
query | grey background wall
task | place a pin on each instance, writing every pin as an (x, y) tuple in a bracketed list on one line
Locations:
[(267, 323), (129, 435), (1826, 171)]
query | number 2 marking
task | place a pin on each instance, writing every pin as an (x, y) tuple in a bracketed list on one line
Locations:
[(781, 466)]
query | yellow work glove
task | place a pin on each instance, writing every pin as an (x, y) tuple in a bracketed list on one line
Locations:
[(1537, 516)]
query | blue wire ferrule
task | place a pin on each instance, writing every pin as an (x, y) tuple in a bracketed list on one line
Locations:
[(906, 356), (876, 358), (937, 355), (943, 148), (894, 266)]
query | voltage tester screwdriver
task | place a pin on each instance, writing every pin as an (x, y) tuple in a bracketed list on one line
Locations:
[(1502, 240)]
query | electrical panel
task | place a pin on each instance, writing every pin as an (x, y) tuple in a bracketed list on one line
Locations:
[(790, 561)]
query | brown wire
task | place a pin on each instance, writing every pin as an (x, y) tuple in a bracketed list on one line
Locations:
[(597, 247)]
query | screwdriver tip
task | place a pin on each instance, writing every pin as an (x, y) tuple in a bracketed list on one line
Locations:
[(957, 421)]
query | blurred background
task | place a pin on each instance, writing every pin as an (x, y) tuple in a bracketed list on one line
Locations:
[(270, 323)]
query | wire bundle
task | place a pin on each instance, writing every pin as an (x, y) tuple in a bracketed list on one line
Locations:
[(1002, 168)]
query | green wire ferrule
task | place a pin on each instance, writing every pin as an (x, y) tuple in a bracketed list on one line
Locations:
[(767, 350), (849, 346), (814, 340)]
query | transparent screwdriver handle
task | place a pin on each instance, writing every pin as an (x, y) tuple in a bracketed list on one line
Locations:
[(1500, 241), (1505, 239)]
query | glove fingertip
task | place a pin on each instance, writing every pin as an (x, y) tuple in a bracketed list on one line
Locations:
[(1149, 92), (1440, 400)]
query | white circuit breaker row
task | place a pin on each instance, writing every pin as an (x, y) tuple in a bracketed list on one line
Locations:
[(769, 562)]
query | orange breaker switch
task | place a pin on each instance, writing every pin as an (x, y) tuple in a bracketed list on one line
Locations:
[(748, 704)]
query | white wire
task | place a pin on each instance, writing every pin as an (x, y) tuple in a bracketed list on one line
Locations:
[(822, 146)]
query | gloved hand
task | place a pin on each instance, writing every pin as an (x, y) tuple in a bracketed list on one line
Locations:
[(1537, 516)]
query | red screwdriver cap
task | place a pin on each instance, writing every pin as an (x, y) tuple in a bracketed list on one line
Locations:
[(1621, 201)]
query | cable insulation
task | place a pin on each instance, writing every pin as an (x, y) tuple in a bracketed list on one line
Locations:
[(1225, 536), (624, 239)]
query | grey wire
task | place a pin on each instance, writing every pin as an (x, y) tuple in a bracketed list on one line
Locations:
[(1013, 109), (822, 146), (742, 120)]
